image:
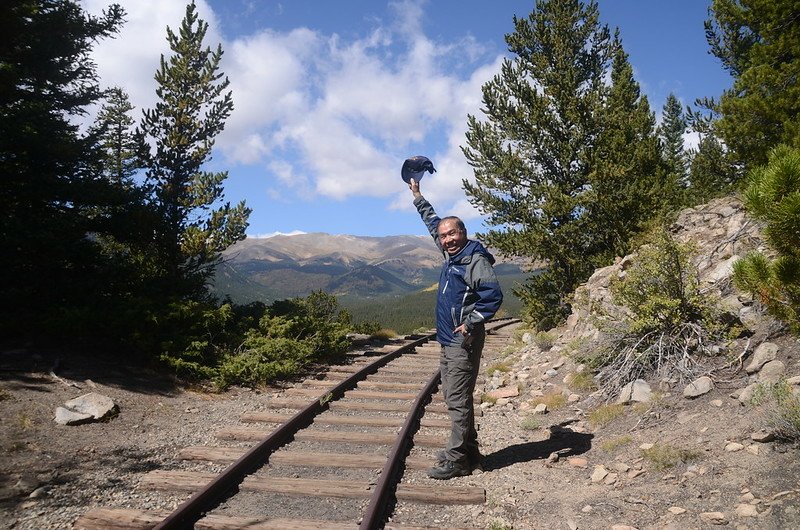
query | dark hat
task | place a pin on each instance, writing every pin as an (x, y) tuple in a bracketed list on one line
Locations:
[(415, 168)]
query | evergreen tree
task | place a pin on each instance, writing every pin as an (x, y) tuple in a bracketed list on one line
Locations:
[(758, 42), (192, 108), (773, 195), (673, 126), (629, 182), (49, 188), (711, 172), (566, 166), (115, 129)]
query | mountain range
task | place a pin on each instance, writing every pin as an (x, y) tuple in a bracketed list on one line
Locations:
[(355, 267)]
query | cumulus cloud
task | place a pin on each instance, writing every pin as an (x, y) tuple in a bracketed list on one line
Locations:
[(324, 115)]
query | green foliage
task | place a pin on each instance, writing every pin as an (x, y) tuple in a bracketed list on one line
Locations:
[(566, 164), (544, 340), (605, 414), (661, 289), (758, 42), (773, 195), (781, 409), (50, 190), (668, 322), (249, 345), (192, 108), (712, 173), (673, 126)]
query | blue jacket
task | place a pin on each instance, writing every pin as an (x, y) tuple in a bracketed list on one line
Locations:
[(469, 292)]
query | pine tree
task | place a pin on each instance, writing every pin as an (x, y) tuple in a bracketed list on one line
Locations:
[(673, 126), (192, 108), (49, 188), (629, 182), (758, 42), (566, 166), (773, 195), (115, 129), (711, 171)]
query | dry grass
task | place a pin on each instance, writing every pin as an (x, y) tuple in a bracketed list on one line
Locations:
[(498, 367), (531, 423), (665, 456), (605, 414), (613, 444), (581, 381), (553, 401)]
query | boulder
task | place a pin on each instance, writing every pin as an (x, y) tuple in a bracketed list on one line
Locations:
[(638, 391), (698, 387), (771, 372), (765, 352), (86, 408)]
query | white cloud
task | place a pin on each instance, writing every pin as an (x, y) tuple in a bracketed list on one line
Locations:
[(323, 115), (273, 234)]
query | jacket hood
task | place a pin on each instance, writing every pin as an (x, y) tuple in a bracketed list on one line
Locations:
[(472, 247)]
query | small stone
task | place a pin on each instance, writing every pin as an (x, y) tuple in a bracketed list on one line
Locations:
[(552, 458), (621, 467), (633, 473), (587, 509), (610, 479), (747, 497), (698, 387), (622, 527), (502, 401), (733, 447), (746, 510), (551, 372), (714, 518), (573, 398), (599, 474), (753, 449), (638, 391), (541, 408), (646, 447), (763, 436), (504, 392), (576, 461), (717, 402), (676, 510), (572, 524)]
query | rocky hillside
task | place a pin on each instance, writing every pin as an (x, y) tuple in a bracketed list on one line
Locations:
[(662, 452)]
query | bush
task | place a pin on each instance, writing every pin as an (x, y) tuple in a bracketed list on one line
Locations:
[(669, 322), (781, 408), (664, 456), (773, 195), (605, 414), (544, 340), (261, 361)]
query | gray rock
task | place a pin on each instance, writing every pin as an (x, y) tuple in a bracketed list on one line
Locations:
[(771, 372), (527, 338), (765, 352), (698, 387), (98, 405), (747, 394), (638, 391), (85, 408)]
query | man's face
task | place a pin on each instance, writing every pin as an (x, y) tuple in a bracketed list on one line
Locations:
[(452, 238)]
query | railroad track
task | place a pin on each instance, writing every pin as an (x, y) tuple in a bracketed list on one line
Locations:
[(339, 454)]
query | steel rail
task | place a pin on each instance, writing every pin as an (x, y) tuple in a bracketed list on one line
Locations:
[(374, 514), (190, 511)]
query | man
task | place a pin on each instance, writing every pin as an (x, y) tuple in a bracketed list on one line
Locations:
[(468, 295)]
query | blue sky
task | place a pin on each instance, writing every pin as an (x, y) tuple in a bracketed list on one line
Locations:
[(331, 96)]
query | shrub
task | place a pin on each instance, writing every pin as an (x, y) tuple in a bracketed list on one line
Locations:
[(262, 360), (544, 340), (773, 195), (497, 367), (530, 423), (384, 334), (669, 322), (781, 408), (581, 381)]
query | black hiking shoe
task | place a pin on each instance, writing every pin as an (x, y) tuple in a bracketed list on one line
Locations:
[(473, 460), (449, 469)]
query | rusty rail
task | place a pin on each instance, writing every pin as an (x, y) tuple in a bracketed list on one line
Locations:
[(193, 509)]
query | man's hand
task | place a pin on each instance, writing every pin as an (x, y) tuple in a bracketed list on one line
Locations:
[(461, 329), (413, 185)]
